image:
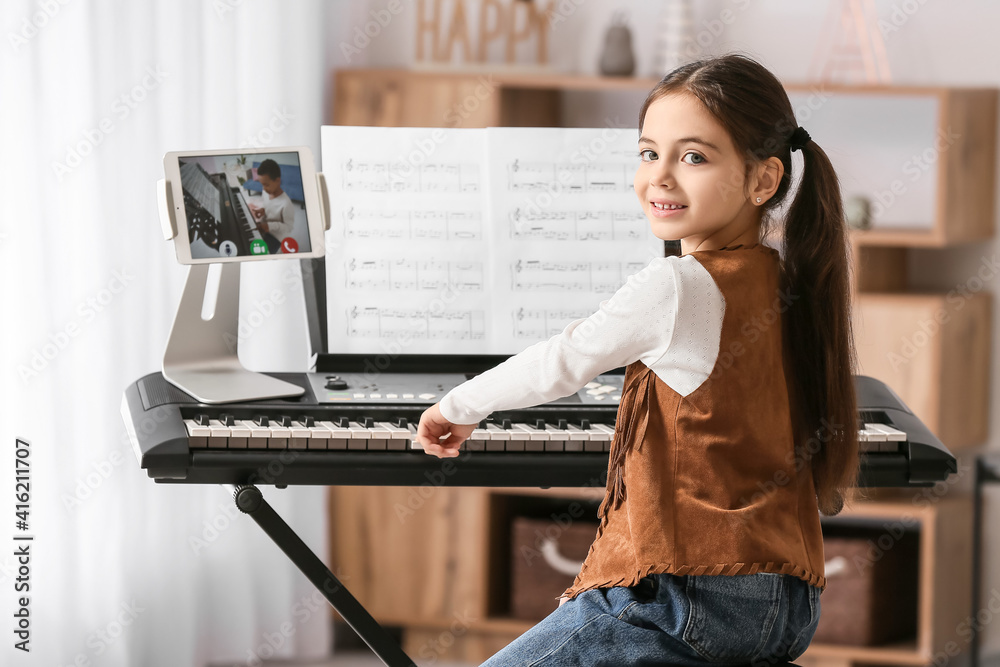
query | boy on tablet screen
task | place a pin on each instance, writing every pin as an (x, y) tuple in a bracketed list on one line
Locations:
[(275, 218)]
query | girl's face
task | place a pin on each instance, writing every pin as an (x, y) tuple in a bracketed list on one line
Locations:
[(687, 160)]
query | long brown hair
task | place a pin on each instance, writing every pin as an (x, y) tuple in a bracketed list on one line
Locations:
[(751, 104)]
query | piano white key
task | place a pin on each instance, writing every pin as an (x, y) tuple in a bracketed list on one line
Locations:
[(577, 438), (534, 433), (219, 436), (607, 430), (380, 437), (556, 433), (484, 436), (870, 434), (497, 433), (536, 437), (399, 438), (891, 434), (279, 436), (496, 438), (298, 436), (339, 436), (496, 445), (518, 439), (197, 434), (258, 434), (869, 445), (359, 436), (414, 443), (239, 435), (319, 437), (597, 440), (557, 438), (892, 437), (870, 439)]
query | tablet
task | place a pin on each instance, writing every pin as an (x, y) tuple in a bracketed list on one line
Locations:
[(243, 205)]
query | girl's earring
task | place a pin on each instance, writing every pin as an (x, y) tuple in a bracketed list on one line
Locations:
[(758, 200)]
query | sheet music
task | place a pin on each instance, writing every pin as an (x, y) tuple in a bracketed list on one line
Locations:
[(476, 241), (568, 230)]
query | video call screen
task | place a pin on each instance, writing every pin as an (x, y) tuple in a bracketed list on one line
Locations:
[(244, 205)]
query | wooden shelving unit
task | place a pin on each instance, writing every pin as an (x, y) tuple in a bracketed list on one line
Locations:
[(426, 559)]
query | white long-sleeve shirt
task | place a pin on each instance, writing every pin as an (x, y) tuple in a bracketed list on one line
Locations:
[(279, 214), (668, 315)]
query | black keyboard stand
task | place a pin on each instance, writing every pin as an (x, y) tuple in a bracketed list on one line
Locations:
[(987, 472), (249, 500)]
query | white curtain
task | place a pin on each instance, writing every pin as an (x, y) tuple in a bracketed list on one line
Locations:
[(124, 571)]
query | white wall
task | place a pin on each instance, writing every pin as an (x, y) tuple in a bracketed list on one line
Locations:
[(928, 43)]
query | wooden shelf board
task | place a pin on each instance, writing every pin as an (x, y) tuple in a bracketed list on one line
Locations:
[(915, 238), (908, 238), (870, 89), (519, 78)]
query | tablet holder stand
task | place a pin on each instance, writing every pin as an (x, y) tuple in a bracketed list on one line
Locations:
[(202, 356)]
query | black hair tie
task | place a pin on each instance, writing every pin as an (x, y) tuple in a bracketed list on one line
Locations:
[(799, 139)]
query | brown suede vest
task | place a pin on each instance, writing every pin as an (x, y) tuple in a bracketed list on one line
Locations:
[(707, 484)]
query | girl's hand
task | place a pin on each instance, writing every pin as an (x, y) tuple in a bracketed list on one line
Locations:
[(563, 600), (433, 427)]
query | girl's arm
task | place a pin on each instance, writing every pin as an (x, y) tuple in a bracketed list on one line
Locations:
[(636, 323)]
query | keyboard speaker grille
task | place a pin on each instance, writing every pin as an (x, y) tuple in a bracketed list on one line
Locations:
[(155, 391)]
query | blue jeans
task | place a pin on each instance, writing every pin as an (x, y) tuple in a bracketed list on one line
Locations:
[(668, 619)]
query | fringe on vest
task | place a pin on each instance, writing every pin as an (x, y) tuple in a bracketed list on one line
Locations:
[(634, 405)]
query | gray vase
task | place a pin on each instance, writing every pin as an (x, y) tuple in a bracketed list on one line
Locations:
[(617, 58)]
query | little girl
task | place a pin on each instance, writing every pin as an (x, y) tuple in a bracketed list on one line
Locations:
[(737, 424)]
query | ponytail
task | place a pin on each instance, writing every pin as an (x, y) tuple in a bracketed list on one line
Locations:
[(819, 341)]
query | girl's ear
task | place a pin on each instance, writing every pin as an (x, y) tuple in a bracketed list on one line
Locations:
[(768, 178)]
